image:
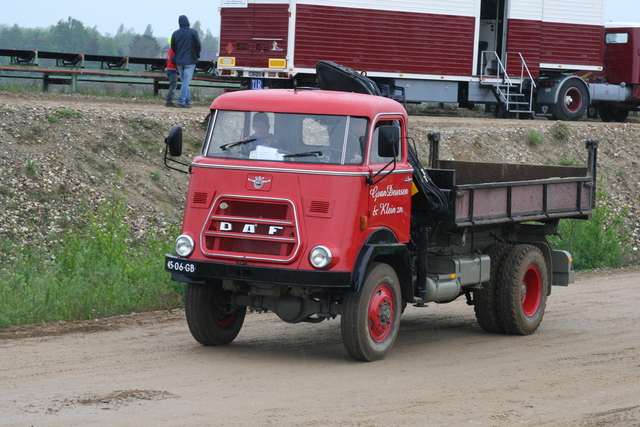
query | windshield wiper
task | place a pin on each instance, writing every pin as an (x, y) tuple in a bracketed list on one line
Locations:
[(225, 147), (305, 154)]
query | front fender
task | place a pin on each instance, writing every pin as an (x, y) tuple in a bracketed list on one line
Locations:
[(383, 246)]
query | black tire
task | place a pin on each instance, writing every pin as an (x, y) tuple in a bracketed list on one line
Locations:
[(485, 301), (610, 113), (522, 290), (573, 100), (371, 318), (211, 318)]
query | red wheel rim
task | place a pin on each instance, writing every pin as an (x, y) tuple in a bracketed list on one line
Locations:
[(381, 315), (531, 290), (225, 321), (573, 99)]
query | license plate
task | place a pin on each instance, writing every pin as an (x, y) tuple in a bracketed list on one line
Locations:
[(255, 73), (181, 266)]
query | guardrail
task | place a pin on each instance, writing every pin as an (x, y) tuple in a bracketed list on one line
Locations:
[(71, 68)]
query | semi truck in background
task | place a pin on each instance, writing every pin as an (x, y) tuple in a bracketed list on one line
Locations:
[(314, 204), (553, 58)]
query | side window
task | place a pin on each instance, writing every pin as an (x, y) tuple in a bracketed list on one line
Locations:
[(617, 38), (375, 158)]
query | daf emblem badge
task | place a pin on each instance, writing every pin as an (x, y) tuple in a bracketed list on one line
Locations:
[(259, 182)]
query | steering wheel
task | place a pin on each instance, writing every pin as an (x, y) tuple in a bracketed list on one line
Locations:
[(331, 154)]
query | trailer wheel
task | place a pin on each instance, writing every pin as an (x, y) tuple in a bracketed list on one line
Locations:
[(522, 290), (573, 100), (371, 317), (211, 318), (485, 301), (609, 113)]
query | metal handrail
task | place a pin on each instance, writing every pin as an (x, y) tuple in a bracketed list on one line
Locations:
[(523, 68), (502, 71)]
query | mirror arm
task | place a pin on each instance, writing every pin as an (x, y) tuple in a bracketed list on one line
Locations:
[(167, 159), (371, 179)]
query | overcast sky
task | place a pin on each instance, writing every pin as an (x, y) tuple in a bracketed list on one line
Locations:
[(163, 14), (107, 15)]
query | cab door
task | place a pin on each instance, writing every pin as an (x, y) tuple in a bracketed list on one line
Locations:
[(390, 182)]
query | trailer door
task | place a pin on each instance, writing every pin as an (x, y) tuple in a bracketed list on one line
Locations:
[(255, 35), (493, 24)]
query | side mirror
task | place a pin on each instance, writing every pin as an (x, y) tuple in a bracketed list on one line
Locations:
[(388, 141), (173, 147), (174, 141)]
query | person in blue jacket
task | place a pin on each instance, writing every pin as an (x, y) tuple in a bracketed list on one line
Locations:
[(186, 45)]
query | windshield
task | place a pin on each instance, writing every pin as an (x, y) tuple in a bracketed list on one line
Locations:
[(298, 138)]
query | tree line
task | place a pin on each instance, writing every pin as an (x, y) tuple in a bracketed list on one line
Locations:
[(72, 36)]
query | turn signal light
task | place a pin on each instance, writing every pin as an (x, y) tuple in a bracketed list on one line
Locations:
[(364, 222)]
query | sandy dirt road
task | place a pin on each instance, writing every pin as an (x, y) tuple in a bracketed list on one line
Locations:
[(582, 368)]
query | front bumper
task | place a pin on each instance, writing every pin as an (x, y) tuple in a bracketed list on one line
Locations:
[(193, 271)]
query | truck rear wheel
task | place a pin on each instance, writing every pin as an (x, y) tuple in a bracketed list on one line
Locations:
[(371, 317), (485, 302), (211, 318), (522, 290), (573, 99)]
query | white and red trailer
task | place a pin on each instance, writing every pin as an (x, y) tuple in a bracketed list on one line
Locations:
[(516, 56)]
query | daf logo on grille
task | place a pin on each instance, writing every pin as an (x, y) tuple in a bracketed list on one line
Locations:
[(259, 182), (250, 228)]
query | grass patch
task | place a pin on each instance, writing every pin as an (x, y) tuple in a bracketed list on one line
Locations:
[(602, 242), (95, 268), (61, 114), (31, 167), (569, 162), (561, 131), (12, 87), (4, 191), (534, 138)]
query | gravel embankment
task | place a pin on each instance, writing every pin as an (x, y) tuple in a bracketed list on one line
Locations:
[(61, 152)]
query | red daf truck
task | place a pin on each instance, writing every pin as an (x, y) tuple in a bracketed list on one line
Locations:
[(313, 204), (553, 58)]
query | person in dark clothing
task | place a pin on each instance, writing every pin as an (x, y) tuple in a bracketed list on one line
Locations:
[(186, 45)]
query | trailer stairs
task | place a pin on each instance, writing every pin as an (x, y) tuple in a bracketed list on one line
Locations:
[(514, 92)]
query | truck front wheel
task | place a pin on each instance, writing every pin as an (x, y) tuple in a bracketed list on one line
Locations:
[(573, 99), (371, 317), (611, 113), (211, 318), (522, 290)]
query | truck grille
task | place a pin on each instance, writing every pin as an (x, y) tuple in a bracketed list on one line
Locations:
[(251, 228)]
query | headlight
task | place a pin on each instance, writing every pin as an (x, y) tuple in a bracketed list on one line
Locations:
[(320, 257), (184, 245)]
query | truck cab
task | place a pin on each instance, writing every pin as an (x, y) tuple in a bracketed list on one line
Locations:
[(283, 173), (291, 198)]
